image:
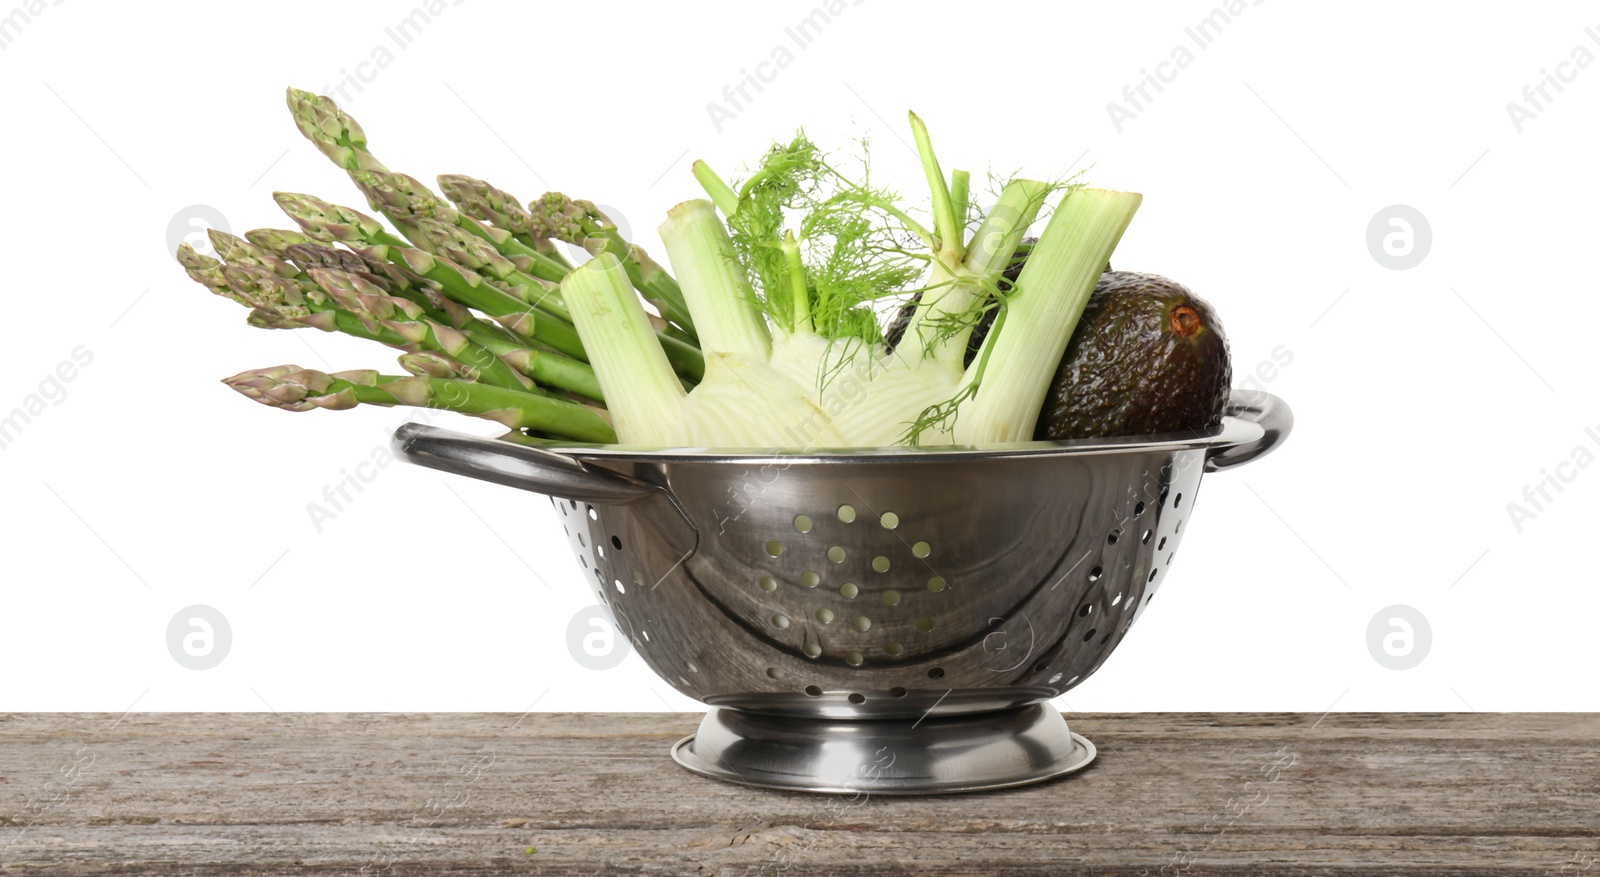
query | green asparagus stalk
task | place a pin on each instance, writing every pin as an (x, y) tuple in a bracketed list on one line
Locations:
[(276, 240), (338, 136), (405, 199), (481, 346), (470, 289), (397, 196), (474, 254), (296, 389), (261, 319), (237, 250), (405, 318), (207, 272), (330, 222), (366, 306), (514, 233), (432, 365), (485, 203), (582, 224)]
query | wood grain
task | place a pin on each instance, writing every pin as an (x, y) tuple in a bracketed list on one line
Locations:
[(391, 794)]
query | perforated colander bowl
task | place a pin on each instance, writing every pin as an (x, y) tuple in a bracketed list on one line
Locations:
[(890, 620)]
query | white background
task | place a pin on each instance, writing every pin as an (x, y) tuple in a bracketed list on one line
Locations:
[(1426, 399)]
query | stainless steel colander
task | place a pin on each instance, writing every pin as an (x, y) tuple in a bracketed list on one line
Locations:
[(888, 621)]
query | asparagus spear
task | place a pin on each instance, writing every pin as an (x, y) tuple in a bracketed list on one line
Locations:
[(405, 318), (432, 365), (464, 251), (296, 389), (363, 305), (338, 136), (485, 203), (276, 240), (471, 290), (582, 224), (400, 197), (207, 272), (330, 222), (405, 199), (473, 253), (261, 319), (237, 250)]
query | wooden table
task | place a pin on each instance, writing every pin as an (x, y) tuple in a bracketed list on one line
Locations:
[(385, 794)]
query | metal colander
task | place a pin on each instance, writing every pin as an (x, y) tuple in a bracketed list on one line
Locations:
[(890, 620)]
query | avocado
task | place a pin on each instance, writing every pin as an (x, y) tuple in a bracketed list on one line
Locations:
[(1148, 356)]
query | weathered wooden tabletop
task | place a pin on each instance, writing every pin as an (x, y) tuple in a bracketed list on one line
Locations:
[(1234, 793)]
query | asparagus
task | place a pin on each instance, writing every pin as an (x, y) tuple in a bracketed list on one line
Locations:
[(405, 318), (207, 272), (485, 203), (431, 365), (365, 305), (470, 289), (276, 240), (330, 222), (405, 199), (515, 231), (340, 138), (418, 292), (582, 224), (335, 134), (296, 389), (425, 218), (261, 319), (474, 344), (473, 253), (237, 250)]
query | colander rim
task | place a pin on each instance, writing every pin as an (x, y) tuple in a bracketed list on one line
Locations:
[(1232, 431)]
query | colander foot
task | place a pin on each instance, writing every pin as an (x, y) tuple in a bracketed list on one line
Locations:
[(935, 755)]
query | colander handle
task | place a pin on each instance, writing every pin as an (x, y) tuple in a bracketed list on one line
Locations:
[(1264, 408), (514, 465)]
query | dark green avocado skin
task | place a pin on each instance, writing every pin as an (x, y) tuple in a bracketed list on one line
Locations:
[(1148, 356)]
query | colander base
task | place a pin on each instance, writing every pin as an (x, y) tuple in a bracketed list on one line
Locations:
[(866, 757)]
